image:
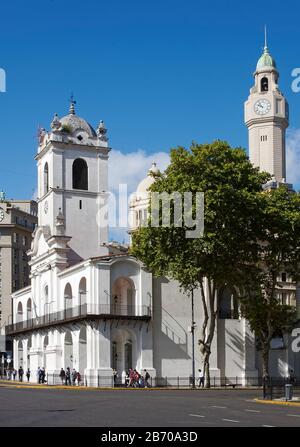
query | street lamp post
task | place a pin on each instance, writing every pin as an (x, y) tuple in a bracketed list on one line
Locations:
[(193, 341)]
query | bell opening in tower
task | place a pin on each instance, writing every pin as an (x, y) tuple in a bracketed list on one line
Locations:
[(80, 174), (264, 85)]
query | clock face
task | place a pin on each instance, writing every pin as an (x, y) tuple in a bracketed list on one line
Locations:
[(46, 207), (262, 106), (1, 214)]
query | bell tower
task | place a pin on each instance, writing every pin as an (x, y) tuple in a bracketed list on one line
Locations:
[(266, 116), (72, 185)]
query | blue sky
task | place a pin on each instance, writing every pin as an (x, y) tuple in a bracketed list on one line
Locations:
[(160, 73)]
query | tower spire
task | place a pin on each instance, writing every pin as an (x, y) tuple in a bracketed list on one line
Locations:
[(72, 105), (266, 40)]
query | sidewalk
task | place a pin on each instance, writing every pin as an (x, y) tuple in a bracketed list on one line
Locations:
[(17, 384)]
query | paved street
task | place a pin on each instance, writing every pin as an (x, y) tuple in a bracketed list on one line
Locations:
[(74, 408)]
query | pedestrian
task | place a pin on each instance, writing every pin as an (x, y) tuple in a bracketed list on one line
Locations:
[(146, 377), (21, 373), (131, 377), (42, 375), (78, 378), (136, 378), (115, 376), (291, 377), (141, 381), (68, 376), (14, 373), (74, 376), (62, 375), (127, 378), (28, 374), (201, 378)]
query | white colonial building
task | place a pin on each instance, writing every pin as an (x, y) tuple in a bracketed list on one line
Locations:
[(93, 307)]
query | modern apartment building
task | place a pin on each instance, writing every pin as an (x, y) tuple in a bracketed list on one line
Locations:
[(18, 219)]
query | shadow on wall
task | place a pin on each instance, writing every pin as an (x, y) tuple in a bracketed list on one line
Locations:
[(173, 330), (231, 345), (170, 337), (73, 257)]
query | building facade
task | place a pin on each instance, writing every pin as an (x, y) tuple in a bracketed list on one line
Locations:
[(95, 308), (17, 223)]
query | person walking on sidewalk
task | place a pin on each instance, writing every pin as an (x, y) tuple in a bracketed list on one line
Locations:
[(146, 378), (62, 375), (21, 372), (68, 376), (201, 378), (28, 374)]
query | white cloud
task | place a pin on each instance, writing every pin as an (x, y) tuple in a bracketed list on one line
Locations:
[(129, 169), (293, 157), (133, 167)]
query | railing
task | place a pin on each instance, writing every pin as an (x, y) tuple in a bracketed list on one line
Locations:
[(274, 388), (104, 311), (168, 382)]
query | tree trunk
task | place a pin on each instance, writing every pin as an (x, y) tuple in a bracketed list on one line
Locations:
[(265, 359), (208, 327), (206, 370)]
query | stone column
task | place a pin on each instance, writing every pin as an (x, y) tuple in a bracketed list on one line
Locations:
[(146, 350), (98, 371), (16, 353)]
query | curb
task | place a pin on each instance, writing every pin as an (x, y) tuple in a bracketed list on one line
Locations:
[(19, 385), (272, 402)]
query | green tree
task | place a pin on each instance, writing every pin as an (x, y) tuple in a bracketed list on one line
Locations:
[(232, 188), (278, 252)]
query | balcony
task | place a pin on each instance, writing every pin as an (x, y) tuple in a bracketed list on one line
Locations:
[(78, 313)]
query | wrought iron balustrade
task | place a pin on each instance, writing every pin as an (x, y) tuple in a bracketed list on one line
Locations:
[(103, 311)]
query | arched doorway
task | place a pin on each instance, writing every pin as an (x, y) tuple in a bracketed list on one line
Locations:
[(20, 312), (124, 351), (82, 294), (123, 297), (128, 355), (68, 301), (228, 304), (29, 309), (82, 351), (68, 351)]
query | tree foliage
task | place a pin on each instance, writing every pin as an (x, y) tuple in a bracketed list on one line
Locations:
[(232, 188), (278, 252)]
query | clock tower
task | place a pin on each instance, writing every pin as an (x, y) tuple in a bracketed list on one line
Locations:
[(72, 189), (266, 116)]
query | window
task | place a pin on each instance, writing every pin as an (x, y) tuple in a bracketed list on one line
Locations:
[(264, 138), (228, 305), (80, 204), (46, 178), (80, 174), (283, 277), (264, 84)]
